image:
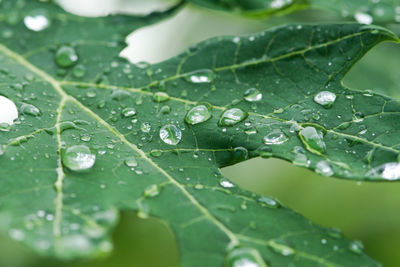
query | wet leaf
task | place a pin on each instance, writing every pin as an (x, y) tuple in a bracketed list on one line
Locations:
[(101, 141)]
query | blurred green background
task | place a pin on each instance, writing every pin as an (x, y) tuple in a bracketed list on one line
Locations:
[(364, 211)]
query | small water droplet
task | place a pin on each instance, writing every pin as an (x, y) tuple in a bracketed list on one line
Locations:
[(152, 191), (131, 162), (37, 20), (156, 153), (269, 202), (232, 116), (313, 140), (300, 158), (281, 248), (66, 56), (356, 247), (128, 112), (244, 257), (323, 168), (170, 134), (160, 97), (200, 76), (78, 158), (252, 95), (275, 137), (79, 71), (198, 114), (240, 153), (145, 127), (225, 183), (325, 99), (28, 109)]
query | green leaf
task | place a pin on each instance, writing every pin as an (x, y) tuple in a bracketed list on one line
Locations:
[(383, 11), (97, 134)]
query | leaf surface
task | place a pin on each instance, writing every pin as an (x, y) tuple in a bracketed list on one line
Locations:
[(148, 158)]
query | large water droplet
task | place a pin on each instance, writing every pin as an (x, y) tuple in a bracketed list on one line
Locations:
[(9, 111), (170, 134), (252, 95), (28, 109), (66, 56), (232, 116), (323, 168), (200, 76), (244, 257), (275, 137), (313, 140), (37, 20), (325, 99), (198, 114), (78, 158), (388, 171)]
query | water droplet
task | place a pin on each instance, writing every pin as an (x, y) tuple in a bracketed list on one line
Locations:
[(79, 71), (325, 99), (198, 114), (240, 153), (85, 137), (9, 111), (170, 134), (160, 97), (37, 20), (200, 76), (66, 56), (145, 127), (225, 183), (28, 109), (152, 191), (356, 247), (244, 257), (232, 116), (165, 109), (300, 158), (388, 171), (323, 168), (78, 158), (156, 153), (334, 232), (313, 140), (128, 112), (131, 162), (281, 248), (252, 95), (275, 137), (269, 202)]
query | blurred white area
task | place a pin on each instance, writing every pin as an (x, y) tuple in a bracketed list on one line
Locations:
[(95, 8), (191, 25), (8, 111)]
